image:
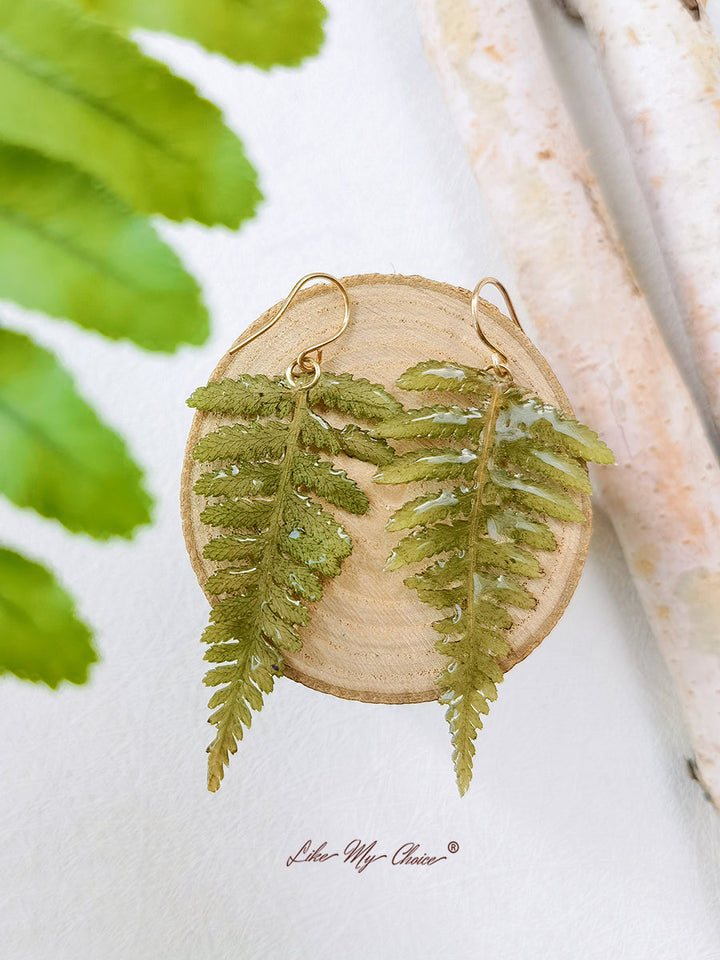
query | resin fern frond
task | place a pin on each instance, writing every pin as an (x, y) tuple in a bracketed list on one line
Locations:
[(513, 462), (265, 493)]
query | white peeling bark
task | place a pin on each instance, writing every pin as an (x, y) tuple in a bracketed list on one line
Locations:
[(662, 64), (595, 328)]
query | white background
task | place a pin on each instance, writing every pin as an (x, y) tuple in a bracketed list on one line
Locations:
[(582, 836)]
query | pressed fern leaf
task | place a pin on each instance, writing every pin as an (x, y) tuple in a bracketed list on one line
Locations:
[(267, 489), (511, 462)]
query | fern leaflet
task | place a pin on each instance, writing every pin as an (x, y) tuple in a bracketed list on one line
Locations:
[(512, 462), (277, 541)]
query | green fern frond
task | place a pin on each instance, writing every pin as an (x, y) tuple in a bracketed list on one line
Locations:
[(266, 489), (516, 462)]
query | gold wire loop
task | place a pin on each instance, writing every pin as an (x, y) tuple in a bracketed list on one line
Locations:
[(498, 359), (314, 369), (303, 362)]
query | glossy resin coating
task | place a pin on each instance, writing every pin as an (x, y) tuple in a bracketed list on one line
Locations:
[(513, 463)]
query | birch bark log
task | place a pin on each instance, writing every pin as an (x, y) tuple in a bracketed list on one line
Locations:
[(595, 328), (662, 65)]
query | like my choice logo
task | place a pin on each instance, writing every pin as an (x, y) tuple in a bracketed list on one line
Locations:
[(362, 855)]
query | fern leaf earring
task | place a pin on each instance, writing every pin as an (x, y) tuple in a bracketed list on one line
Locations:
[(500, 473), (271, 494)]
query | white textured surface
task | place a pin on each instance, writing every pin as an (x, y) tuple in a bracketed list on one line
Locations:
[(581, 836)]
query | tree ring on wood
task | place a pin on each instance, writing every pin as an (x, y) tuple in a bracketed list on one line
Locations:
[(370, 638)]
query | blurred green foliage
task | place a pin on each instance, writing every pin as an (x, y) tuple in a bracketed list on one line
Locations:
[(262, 32), (55, 455), (72, 249), (94, 137), (41, 638)]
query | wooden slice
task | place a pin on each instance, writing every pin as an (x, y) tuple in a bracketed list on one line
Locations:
[(370, 638)]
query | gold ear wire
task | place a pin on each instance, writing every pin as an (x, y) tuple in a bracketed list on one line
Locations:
[(498, 359), (302, 361)]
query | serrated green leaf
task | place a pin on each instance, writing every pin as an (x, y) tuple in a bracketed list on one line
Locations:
[(286, 543), (41, 637), (263, 33), (466, 692), (295, 576), (328, 482), (71, 249), (76, 91), (219, 632), (432, 586), (484, 612), (240, 610), (241, 685), (447, 377), (444, 537), (236, 547), (546, 498), (246, 396), (443, 572), (239, 514), (223, 652), (502, 522), (284, 605), (353, 395), (528, 417), (245, 480), (432, 423), (277, 631), (318, 434), (234, 580), (553, 464), (313, 537), (360, 445), (503, 588), (518, 461), (468, 652), (56, 456), (429, 463), (244, 443), (430, 508), (427, 542)]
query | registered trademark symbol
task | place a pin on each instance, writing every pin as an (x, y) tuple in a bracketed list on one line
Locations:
[(453, 847)]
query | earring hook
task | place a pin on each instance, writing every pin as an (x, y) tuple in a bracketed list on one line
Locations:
[(302, 360), (498, 358)]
